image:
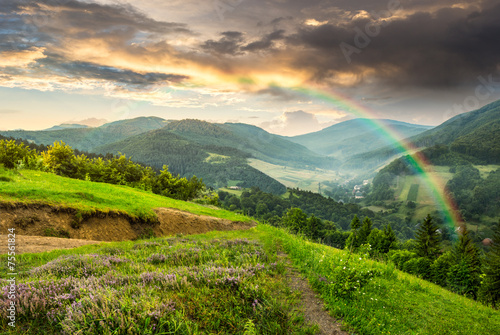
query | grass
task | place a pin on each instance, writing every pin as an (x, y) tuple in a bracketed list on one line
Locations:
[(136, 279), (374, 298), (485, 170), (87, 197), (413, 193), (206, 284), (293, 177)]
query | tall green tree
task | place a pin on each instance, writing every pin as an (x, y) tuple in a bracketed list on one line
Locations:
[(463, 277), (428, 238), (295, 219), (313, 226), (364, 232), (353, 238), (490, 286)]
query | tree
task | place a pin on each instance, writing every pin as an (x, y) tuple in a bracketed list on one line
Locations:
[(11, 154), (364, 232), (61, 160), (390, 240), (295, 219), (490, 287), (428, 238), (463, 277), (312, 228), (352, 240)]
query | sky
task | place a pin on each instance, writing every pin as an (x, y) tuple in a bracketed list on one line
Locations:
[(417, 61)]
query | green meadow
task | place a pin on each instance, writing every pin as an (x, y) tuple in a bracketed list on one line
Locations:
[(30, 186), (215, 283), (229, 283)]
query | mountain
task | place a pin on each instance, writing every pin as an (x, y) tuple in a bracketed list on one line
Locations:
[(355, 136), (66, 126), (217, 165), (89, 138), (475, 134), (253, 140)]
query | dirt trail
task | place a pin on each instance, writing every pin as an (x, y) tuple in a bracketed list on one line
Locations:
[(34, 223), (31, 244), (312, 305)]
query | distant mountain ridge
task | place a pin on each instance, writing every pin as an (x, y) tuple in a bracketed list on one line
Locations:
[(356, 136), (475, 133), (89, 138)]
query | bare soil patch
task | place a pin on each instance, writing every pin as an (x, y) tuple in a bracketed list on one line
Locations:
[(31, 244), (47, 222)]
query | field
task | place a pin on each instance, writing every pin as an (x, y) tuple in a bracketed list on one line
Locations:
[(202, 284), (413, 193), (291, 177), (484, 170), (228, 283)]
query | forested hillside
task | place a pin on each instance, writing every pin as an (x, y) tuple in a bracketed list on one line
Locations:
[(475, 134), (89, 138), (355, 136), (216, 165)]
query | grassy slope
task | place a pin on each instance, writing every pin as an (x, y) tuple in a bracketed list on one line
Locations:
[(391, 303), (41, 187), (293, 177)]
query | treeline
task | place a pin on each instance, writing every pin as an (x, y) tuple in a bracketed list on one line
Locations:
[(474, 195), (186, 158), (271, 208), (120, 170), (463, 269)]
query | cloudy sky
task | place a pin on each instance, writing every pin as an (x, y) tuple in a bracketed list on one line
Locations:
[(263, 62)]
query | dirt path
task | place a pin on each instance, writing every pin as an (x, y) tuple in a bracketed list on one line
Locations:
[(313, 307), (30, 244)]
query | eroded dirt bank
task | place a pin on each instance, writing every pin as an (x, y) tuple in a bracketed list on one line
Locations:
[(44, 220)]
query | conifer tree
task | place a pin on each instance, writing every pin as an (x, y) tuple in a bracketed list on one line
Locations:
[(364, 232), (390, 239), (428, 238), (463, 277), (352, 239), (490, 287)]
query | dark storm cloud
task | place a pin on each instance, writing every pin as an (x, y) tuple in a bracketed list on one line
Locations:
[(234, 43), (79, 70), (441, 48), (266, 42), (228, 44)]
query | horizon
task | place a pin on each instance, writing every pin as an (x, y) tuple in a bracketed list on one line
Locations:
[(103, 122)]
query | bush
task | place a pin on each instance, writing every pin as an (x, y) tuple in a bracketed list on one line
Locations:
[(400, 257), (12, 154), (420, 266)]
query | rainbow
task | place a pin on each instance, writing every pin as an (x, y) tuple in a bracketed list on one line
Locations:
[(418, 161)]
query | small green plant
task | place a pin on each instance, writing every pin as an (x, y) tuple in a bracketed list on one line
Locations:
[(250, 328)]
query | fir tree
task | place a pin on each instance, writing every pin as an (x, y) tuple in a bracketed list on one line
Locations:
[(364, 232), (428, 239), (352, 239), (463, 277), (490, 287), (390, 239)]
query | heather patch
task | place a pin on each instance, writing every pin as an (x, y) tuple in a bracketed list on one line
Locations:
[(161, 286)]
